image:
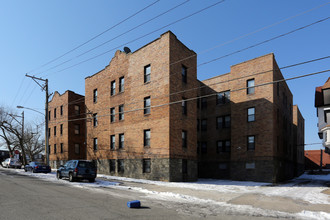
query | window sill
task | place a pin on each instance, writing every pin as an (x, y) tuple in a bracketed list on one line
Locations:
[(147, 114), (145, 83)]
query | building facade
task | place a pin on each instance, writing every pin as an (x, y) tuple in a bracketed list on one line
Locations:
[(139, 126), (322, 103), (66, 128), (148, 117), (298, 141), (246, 131)]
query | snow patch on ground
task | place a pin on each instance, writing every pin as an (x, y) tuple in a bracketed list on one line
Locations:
[(298, 188)]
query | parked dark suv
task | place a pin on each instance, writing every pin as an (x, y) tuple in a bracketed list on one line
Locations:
[(77, 170)]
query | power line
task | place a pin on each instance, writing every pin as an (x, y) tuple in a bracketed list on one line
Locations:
[(265, 41), (246, 48), (181, 19), (204, 96), (98, 35), (253, 32), (205, 50), (200, 87), (126, 32), (19, 89)]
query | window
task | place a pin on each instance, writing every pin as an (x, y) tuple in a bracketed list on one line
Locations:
[(204, 103), (223, 166), (326, 115), (61, 129), (223, 146), (95, 96), (147, 71), (184, 139), (49, 115), (61, 148), (121, 112), (112, 142), (76, 148), (223, 122), (147, 104), (220, 147), (112, 164), (54, 112), (325, 137), (198, 121), (223, 97), (48, 132), (54, 130), (76, 129), (204, 147), (184, 106), (227, 121), (48, 150), (113, 88), (61, 110), (184, 166), (278, 88), (95, 144), (250, 165), (204, 125), (251, 142), (120, 166), (77, 109), (112, 114), (54, 148), (219, 122), (251, 114), (95, 119), (227, 146), (146, 166), (250, 86), (121, 141), (121, 84), (146, 139), (184, 73)]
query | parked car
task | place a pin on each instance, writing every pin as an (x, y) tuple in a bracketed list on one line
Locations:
[(37, 167), (77, 170), (12, 163)]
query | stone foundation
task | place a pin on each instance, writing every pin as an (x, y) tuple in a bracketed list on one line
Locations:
[(160, 169)]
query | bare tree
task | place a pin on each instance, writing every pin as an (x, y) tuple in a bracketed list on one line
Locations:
[(27, 142), (4, 134), (34, 144)]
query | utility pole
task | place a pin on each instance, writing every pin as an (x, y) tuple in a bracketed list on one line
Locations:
[(44, 88), (23, 131)]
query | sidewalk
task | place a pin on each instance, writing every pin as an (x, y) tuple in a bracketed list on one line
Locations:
[(309, 193)]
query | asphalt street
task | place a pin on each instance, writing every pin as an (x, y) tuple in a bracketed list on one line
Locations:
[(26, 197)]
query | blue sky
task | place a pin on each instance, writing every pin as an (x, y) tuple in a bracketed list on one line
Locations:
[(35, 32)]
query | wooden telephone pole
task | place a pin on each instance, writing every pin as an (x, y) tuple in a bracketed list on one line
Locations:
[(44, 87)]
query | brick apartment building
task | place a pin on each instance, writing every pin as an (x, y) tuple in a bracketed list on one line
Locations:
[(125, 135), (146, 120), (66, 128), (246, 132), (298, 141)]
